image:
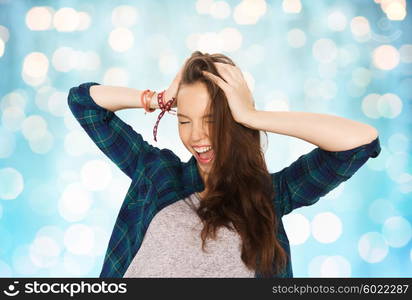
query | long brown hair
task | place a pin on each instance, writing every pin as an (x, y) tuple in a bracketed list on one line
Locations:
[(239, 186)]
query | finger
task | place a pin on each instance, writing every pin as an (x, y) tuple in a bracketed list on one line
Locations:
[(219, 81), (232, 71)]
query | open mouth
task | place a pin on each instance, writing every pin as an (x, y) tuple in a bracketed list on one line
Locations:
[(205, 157)]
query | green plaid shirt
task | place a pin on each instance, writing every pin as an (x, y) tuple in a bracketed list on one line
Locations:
[(160, 178)]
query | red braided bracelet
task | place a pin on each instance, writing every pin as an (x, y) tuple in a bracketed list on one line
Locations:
[(164, 108)]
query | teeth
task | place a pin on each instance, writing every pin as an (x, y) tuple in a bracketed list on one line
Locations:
[(203, 149)]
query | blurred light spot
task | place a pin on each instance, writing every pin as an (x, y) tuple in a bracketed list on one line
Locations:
[(11, 183), (64, 59), (296, 38), (12, 118), (79, 239), (34, 81), (84, 21), (66, 177), (397, 231), (370, 105), (39, 18), (326, 227), (231, 39), (203, 6), (292, 6), (335, 266), (101, 238), (324, 50), (389, 105), (278, 101), (34, 127), (220, 10), (405, 183), (78, 265), (70, 121), (89, 60), (253, 55), (361, 76), (42, 97), (6, 240), (5, 270), (396, 166), (121, 39), (395, 11), (42, 144), (22, 263), (35, 65), (406, 53), (372, 247), (248, 12), (157, 44), (297, 228), (2, 46), (99, 216), (4, 34), (168, 63), (381, 209), (124, 16), (360, 28), (66, 19), (328, 89), (327, 70), (398, 142), (192, 41), (57, 104), (77, 143), (311, 87), (53, 232), (116, 192), (17, 98), (116, 76), (337, 21), (348, 54), (44, 252), (314, 266), (210, 42), (75, 202), (385, 57), (95, 175), (43, 199), (386, 3)]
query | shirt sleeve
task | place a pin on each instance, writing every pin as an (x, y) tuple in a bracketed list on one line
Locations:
[(116, 139), (316, 173)]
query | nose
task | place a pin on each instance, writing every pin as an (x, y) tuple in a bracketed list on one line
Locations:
[(199, 132)]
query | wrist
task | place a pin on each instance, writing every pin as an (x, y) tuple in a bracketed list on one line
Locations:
[(153, 102)]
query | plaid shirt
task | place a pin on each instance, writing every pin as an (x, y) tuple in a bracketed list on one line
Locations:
[(160, 178)]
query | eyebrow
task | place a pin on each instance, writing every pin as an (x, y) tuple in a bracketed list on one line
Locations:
[(184, 116)]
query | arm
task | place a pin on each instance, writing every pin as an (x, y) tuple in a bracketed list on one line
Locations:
[(116, 139), (343, 147), (329, 132), (115, 98), (316, 173)]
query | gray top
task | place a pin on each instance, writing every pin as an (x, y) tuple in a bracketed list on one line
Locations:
[(172, 245)]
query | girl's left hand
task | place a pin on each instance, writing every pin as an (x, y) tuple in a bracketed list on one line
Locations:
[(238, 95)]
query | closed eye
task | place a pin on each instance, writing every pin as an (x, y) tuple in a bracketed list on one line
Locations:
[(188, 122)]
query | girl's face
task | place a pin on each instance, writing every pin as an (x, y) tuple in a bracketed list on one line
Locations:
[(193, 123)]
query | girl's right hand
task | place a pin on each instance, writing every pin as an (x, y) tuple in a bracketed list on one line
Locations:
[(172, 89)]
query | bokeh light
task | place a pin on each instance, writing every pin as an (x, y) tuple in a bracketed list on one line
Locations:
[(347, 58)]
